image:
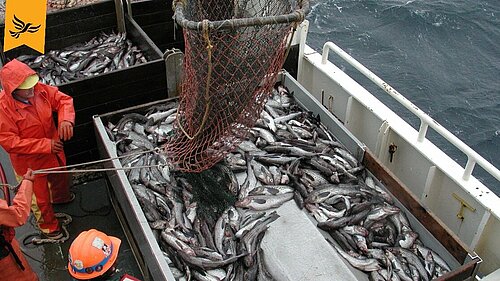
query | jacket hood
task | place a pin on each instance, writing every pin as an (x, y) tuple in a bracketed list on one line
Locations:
[(13, 74)]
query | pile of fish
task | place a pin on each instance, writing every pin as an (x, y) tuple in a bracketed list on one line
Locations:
[(288, 154), (195, 247), (103, 53), (2, 11), (64, 4), (53, 5)]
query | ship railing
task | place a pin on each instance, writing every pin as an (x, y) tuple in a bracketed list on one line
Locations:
[(425, 120)]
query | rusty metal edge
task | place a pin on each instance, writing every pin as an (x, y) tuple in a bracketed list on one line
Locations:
[(461, 273)]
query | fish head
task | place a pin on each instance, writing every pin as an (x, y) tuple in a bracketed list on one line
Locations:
[(243, 203)]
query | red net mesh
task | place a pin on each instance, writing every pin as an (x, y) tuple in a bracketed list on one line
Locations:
[(228, 73)]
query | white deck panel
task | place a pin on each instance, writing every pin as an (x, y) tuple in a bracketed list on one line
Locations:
[(295, 250)]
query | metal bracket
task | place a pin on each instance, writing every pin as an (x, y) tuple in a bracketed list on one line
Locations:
[(330, 103), (463, 205), (129, 8), (173, 62), (120, 16), (392, 150)]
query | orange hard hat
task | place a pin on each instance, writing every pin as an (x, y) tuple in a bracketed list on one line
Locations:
[(91, 254)]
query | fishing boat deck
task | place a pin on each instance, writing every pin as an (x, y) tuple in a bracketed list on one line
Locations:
[(91, 208)]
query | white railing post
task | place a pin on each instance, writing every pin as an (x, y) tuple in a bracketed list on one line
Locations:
[(422, 132), (468, 168), (426, 120)]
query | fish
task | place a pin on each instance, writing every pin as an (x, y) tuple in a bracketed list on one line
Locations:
[(325, 191), (356, 230), (219, 230), (83, 60), (207, 264), (268, 120), (438, 260), (262, 173), (397, 266), (260, 203), (379, 213), (271, 190), (168, 236), (406, 239), (250, 182), (265, 134), (247, 226), (412, 259), (361, 264)]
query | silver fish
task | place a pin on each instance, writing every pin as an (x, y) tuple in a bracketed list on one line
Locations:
[(261, 203), (265, 134), (361, 264), (412, 259), (271, 190), (175, 243)]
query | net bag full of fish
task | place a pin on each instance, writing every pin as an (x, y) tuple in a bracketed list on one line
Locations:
[(233, 52)]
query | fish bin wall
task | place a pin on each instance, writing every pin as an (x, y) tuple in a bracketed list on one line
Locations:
[(292, 246)]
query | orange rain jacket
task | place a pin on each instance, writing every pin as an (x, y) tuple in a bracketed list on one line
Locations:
[(16, 214), (10, 217), (26, 138)]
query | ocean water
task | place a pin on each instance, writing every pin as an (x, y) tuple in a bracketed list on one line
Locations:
[(444, 56)]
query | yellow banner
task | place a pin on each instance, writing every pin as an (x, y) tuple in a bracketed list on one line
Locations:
[(25, 24)]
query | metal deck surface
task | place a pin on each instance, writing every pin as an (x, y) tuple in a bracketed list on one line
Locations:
[(90, 209)]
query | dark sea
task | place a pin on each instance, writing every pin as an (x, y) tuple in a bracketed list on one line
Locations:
[(444, 56)]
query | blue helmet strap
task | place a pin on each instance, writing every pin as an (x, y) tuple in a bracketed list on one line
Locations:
[(98, 267)]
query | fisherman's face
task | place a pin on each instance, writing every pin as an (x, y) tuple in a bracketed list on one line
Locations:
[(25, 93)]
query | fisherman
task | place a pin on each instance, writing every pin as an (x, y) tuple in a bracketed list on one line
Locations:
[(93, 255), (13, 265), (28, 133)]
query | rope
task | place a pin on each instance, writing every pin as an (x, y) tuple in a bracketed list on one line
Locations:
[(11, 187), (57, 170), (67, 220), (294, 28), (208, 102), (45, 171), (100, 161)]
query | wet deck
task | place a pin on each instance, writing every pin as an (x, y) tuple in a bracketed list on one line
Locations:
[(92, 208)]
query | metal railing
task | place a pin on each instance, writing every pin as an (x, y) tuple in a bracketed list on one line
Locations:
[(425, 120)]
